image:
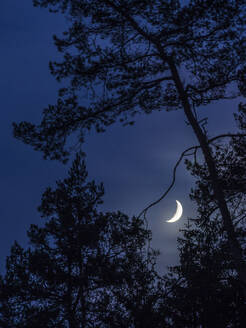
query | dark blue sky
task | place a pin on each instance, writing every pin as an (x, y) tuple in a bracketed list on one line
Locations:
[(134, 163)]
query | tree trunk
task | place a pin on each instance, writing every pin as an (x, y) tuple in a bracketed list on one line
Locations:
[(234, 245)]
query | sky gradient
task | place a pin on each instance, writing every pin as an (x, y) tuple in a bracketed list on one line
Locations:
[(135, 163)]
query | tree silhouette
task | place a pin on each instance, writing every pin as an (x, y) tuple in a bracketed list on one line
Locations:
[(141, 56), (205, 288), (84, 268)]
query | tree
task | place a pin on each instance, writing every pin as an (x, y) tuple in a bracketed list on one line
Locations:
[(205, 288), (83, 268), (131, 61)]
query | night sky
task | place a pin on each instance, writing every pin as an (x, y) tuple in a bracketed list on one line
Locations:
[(135, 163)]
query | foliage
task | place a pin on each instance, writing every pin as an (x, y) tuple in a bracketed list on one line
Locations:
[(205, 287), (133, 56), (229, 158), (122, 58), (205, 290), (83, 268), (119, 62)]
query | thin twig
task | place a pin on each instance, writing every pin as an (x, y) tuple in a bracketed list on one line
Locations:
[(241, 219), (226, 135), (144, 211)]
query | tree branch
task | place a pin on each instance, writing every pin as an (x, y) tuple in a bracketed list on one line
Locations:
[(227, 135), (184, 153), (154, 82)]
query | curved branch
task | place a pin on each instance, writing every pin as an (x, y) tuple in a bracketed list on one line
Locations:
[(226, 135), (184, 153)]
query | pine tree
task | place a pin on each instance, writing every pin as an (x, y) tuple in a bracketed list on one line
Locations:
[(206, 290), (128, 57), (84, 268)]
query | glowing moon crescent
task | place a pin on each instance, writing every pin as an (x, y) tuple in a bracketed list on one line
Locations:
[(178, 213)]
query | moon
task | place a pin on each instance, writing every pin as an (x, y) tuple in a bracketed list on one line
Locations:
[(178, 213)]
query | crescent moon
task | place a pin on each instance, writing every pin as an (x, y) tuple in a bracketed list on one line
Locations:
[(178, 213)]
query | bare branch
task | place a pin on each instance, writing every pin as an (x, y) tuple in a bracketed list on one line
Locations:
[(227, 135), (184, 153)]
